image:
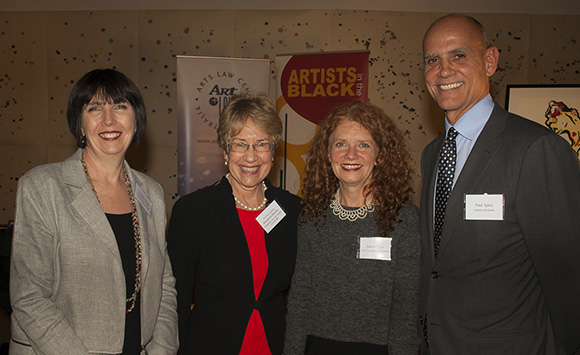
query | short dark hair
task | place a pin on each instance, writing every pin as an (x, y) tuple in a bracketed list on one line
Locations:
[(111, 86)]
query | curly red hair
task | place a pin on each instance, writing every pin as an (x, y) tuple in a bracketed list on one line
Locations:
[(389, 185)]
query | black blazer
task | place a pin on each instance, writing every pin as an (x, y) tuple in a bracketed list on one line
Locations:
[(208, 248), (511, 286)]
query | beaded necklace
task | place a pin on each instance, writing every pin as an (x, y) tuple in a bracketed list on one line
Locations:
[(260, 207), (350, 215), (136, 233)]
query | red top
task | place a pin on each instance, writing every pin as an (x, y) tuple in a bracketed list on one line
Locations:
[(255, 342)]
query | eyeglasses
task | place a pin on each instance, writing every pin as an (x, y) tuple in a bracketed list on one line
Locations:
[(240, 147)]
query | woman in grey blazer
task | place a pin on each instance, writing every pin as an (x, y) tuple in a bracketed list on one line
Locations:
[(90, 272)]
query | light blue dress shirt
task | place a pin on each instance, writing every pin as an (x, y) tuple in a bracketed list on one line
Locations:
[(469, 127)]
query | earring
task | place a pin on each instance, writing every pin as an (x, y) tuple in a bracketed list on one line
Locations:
[(226, 163), (83, 141)]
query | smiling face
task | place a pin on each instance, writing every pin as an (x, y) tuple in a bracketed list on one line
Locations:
[(352, 154), (457, 65), (249, 168), (108, 128)]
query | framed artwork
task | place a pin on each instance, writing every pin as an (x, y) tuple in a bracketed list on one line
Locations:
[(553, 106)]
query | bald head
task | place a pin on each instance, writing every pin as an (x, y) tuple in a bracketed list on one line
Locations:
[(458, 63), (466, 22)]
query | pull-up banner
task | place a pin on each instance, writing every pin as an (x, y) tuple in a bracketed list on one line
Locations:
[(204, 86), (308, 87)]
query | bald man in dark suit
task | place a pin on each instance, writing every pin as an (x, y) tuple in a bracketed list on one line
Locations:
[(500, 270)]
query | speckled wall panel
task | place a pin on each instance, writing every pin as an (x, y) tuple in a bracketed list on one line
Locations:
[(265, 34), (78, 42), (555, 50), (511, 36), (23, 101), (23, 79), (396, 81), (396, 71), (42, 54), (162, 36)]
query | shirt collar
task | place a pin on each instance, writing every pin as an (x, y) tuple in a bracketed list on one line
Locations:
[(472, 122)]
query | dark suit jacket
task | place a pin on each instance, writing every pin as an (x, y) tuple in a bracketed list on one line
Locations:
[(511, 286), (207, 246)]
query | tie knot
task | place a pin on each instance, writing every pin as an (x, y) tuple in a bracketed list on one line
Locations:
[(452, 133)]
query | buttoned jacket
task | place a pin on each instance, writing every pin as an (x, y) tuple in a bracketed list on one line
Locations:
[(506, 286)]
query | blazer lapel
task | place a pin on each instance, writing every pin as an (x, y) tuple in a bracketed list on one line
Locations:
[(146, 223), (86, 203), (477, 162), (237, 237)]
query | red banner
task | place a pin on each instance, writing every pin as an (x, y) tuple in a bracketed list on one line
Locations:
[(309, 86)]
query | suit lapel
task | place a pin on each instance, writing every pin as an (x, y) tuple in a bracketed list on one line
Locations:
[(480, 157), (430, 162), (86, 203)]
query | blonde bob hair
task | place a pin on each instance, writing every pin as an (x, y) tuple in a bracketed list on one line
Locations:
[(246, 106)]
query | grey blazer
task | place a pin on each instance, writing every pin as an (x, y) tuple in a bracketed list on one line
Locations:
[(511, 286), (67, 285)]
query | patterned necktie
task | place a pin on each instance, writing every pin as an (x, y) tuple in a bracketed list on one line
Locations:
[(445, 175)]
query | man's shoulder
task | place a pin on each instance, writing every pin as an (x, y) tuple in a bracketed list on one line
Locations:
[(523, 132), (520, 125)]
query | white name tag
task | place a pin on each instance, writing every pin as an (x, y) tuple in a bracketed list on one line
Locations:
[(375, 248), (271, 216), (143, 199), (484, 207)]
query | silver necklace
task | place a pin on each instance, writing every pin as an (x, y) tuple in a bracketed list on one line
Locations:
[(350, 215), (260, 207)]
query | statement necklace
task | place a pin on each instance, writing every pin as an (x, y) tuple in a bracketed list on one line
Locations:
[(136, 233), (260, 207), (350, 215)]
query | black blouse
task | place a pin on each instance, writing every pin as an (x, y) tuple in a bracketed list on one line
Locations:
[(122, 226)]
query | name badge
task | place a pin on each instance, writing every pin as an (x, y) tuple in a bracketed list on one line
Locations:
[(374, 248), (143, 199), (484, 207), (271, 216)]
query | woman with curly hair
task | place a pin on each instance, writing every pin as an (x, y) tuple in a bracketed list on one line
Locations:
[(356, 280)]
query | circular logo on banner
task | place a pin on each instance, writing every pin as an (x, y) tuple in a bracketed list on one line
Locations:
[(214, 91), (313, 84)]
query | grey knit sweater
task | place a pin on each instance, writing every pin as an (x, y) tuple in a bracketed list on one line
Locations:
[(337, 296)]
